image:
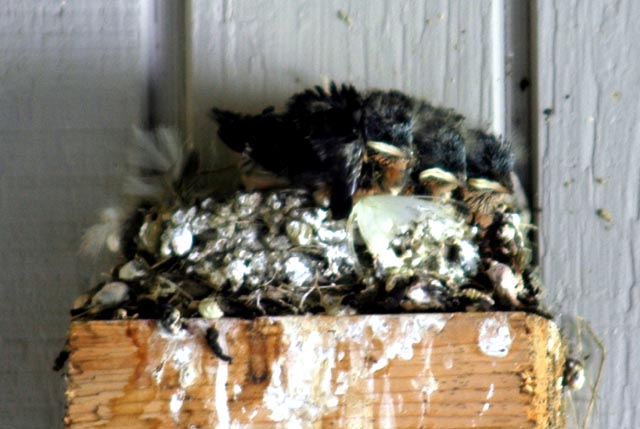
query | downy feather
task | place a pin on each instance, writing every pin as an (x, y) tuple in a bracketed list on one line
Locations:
[(104, 234), (156, 163)]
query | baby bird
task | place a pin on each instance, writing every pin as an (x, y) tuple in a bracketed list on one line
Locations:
[(489, 188), (342, 144), (317, 143), (388, 130), (337, 142), (439, 140)]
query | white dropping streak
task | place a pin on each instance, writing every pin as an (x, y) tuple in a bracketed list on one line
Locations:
[(175, 405), (387, 410), (494, 336), (300, 390), (180, 352), (222, 376), (430, 384), (237, 390), (448, 362), (487, 404)]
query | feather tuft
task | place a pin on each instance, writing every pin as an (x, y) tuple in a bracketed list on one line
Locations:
[(156, 162), (105, 234)]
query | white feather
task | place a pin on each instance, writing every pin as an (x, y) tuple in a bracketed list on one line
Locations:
[(156, 161), (170, 143), (147, 153), (105, 234)]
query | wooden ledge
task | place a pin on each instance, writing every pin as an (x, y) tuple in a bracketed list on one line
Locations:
[(462, 370)]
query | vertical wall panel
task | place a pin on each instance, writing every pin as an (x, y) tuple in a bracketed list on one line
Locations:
[(71, 86), (588, 134), (248, 55)]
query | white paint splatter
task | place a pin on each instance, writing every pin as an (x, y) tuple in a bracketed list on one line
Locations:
[(300, 392), (180, 352), (494, 336), (175, 404), (307, 393), (222, 375), (487, 404), (387, 411)]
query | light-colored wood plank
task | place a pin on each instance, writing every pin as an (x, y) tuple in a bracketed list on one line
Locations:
[(588, 157), (494, 370), (248, 55)]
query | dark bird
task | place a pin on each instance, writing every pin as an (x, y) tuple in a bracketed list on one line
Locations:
[(439, 140), (342, 145), (388, 128), (335, 142), (490, 161), (489, 187), (317, 143)]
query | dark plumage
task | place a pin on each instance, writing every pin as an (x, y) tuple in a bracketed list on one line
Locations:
[(269, 138), (489, 158), (321, 141), (316, 143), (388, 118), (347, 144), (388, 126), (489, 184), (438, 137)]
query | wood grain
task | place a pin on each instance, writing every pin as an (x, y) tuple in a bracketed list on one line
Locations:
[(402, 371)]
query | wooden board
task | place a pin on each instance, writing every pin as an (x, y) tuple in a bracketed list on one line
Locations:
[(483, 370)]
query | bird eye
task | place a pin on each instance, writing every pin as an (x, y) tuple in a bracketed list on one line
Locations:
[(387, 149)]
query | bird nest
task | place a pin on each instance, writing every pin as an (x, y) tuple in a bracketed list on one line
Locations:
[(350, 203)]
